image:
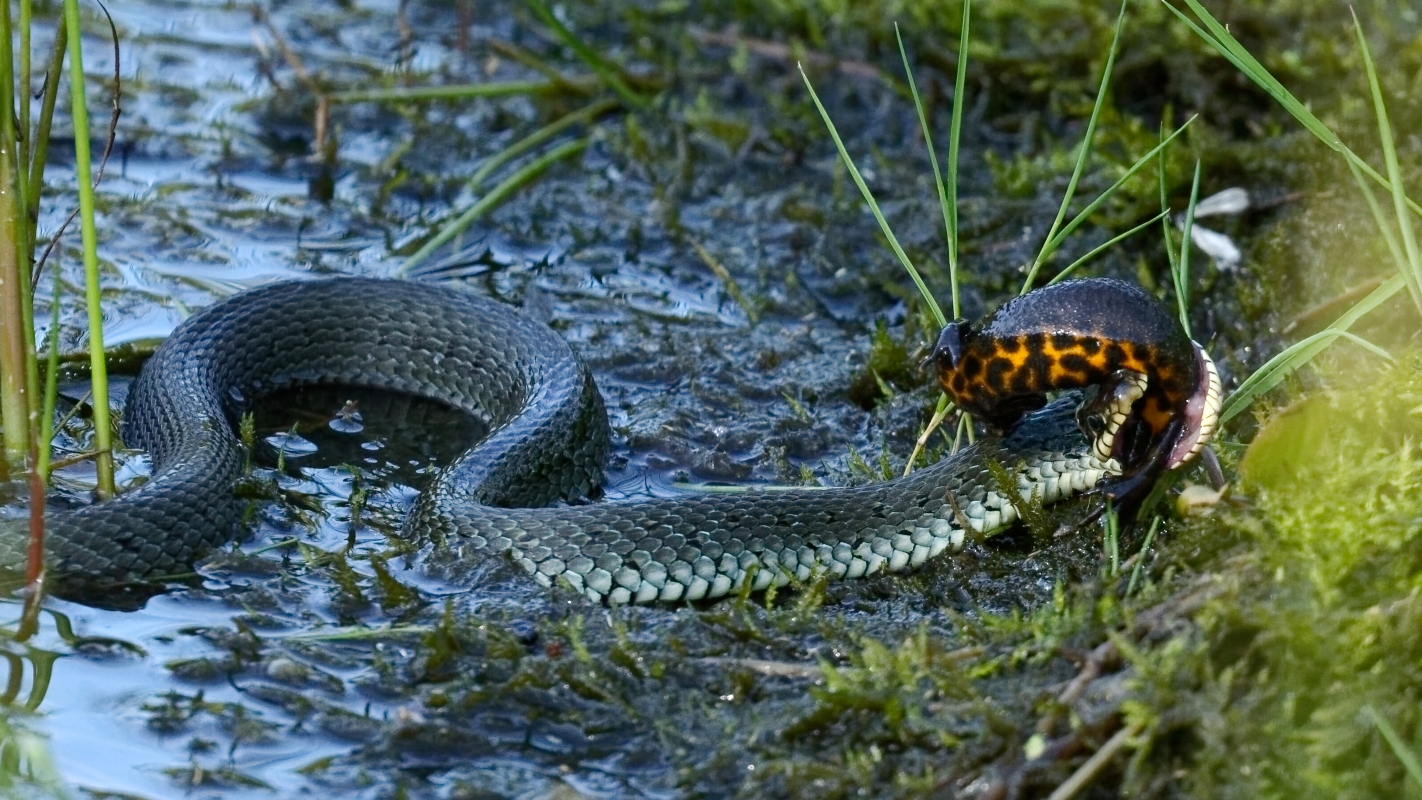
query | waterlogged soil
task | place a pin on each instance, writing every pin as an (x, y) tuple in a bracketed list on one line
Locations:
[(712, 262)]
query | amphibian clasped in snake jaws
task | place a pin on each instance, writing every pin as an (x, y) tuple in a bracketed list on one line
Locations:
[(549, 438), (1108, 335)]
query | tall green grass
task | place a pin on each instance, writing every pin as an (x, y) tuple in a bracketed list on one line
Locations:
[(1397, 232), (947, 198), (24, 149), (1403, 249), (1060, 229)]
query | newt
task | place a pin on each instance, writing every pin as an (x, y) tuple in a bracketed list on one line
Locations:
[(1107, 336)]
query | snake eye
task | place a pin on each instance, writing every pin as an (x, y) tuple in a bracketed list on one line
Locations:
[(1095, 426), (1105, 409)]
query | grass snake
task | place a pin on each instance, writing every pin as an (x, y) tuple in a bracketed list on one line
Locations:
[(549, 438)]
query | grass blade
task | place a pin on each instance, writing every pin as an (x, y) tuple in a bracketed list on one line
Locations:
[(954, 135), (1269, 375), (584, 114), (1379, 179), (944, 203), (947, 200), (610, 74), (1095, 204), (1101, 248), (1180, 271), (1141, 557), (1413, 270), (1220, 38), (452, 92), (39, 153), (1165, 232), (492, 200), (1082, 154), (1399, 748), (23, 106), (1301, 352), (874, 205)]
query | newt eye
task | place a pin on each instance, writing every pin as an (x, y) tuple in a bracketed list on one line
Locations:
[(948, 352)]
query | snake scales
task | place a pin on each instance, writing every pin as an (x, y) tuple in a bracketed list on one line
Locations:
[(548, 442)]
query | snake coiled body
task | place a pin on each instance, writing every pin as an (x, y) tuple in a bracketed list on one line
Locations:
[(548, 442)]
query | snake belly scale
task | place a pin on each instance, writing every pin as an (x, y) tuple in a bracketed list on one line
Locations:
[(549, 438)]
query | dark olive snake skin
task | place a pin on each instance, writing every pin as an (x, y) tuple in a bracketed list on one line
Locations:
[(548, 443)]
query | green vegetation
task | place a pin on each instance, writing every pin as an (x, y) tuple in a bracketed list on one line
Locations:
[(1323, 453), (1316, 636)]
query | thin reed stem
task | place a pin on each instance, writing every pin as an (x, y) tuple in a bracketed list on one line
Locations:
[(41, 450), (51, 383), (79, 108), (23, 106)]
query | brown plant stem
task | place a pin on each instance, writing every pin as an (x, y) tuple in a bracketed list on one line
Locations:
[(14, 404)]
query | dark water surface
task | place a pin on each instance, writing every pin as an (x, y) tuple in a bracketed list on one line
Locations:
[(207, 194)]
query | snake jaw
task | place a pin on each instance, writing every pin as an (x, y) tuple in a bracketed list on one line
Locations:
[(1201, 414), (1127, 387)]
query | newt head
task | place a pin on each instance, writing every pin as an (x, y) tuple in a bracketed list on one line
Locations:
[(948, 352)]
